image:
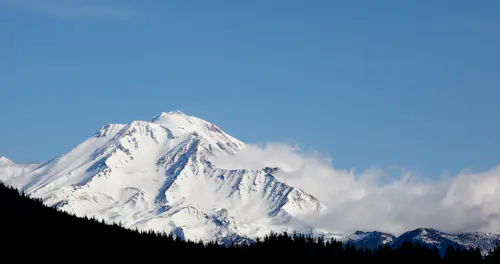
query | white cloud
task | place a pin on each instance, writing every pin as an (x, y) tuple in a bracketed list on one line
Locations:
[(74, 9), (466, 202)]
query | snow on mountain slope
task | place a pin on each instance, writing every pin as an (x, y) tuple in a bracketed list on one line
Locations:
[(14, 172), (157, 175), (432, 237), (5, 161), (427, 236), (483, 241), (369, 240)]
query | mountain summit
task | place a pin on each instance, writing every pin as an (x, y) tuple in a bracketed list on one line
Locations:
[(5, 161), (178, 124), (157, 175)]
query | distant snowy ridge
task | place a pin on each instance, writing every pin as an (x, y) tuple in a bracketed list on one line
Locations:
[(425, 236), (369, 240), (159, 175)]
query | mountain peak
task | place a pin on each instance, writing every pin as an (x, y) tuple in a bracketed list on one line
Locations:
[(5, 161), (176, 112), (426, 230), (369, 239), (177, 123), (170, 113), (177, 120)]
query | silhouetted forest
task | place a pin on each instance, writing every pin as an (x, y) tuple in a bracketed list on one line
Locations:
[(31, 230)]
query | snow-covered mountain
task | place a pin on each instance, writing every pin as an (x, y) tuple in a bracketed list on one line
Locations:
[(483, 241), (432, 237), (158, 175), (369, 240), (426, 236), (5, 162)]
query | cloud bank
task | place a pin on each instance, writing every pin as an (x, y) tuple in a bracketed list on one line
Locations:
[(368, 200), (87, 10)]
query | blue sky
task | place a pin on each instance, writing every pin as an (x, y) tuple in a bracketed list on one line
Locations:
[(413, 84)]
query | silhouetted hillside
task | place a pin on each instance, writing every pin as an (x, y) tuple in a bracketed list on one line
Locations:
[(32, 231)]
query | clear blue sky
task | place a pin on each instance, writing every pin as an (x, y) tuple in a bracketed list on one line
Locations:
[(371, 83)]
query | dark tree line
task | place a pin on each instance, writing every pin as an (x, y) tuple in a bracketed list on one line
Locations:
[(29, 230)]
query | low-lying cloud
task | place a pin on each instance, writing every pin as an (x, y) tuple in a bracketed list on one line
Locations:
[(368, 200)]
